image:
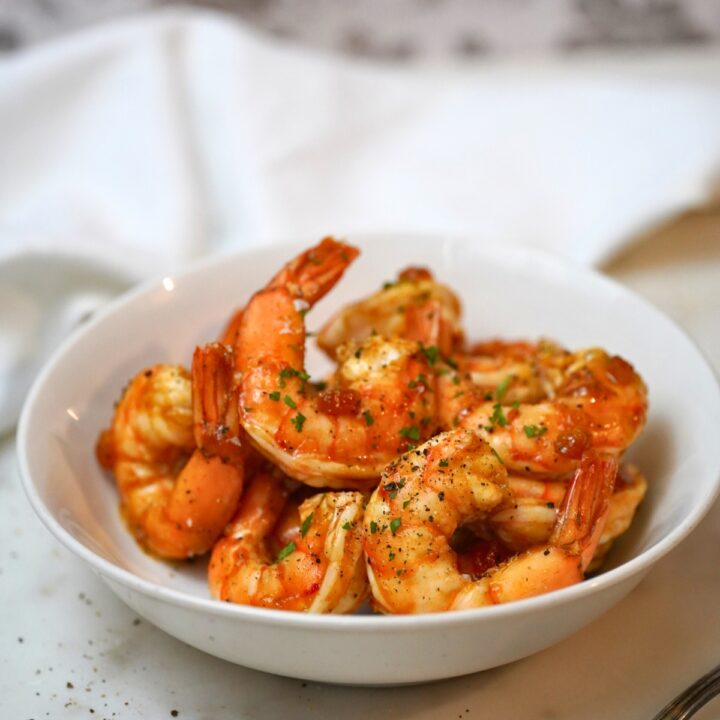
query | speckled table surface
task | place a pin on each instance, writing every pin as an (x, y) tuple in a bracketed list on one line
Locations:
[(70, 649)]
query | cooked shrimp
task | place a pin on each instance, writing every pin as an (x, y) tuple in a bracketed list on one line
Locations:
[(630, 490), (398, 310), (321, 570), (533, 511), (175, 498), (422, 498), (515, 371), (380, 403), (427, 493), (528, 519), (308, 277), (599, 402), (523, 371)]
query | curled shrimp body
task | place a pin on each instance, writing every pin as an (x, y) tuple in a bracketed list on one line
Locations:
[(397, 310), (530, 517), (595, 401), (569, 551), (176, 497), (422, 498), (380, 402), (515, 371), (526, 371), (321, 569), (426, 494)]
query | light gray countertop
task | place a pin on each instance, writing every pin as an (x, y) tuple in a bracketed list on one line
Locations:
[(70, 649)]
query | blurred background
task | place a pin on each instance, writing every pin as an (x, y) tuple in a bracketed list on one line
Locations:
[(587, 128), (407, 29)]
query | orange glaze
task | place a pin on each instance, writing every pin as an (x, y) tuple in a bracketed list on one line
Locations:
[(481, 556), (340, 438)]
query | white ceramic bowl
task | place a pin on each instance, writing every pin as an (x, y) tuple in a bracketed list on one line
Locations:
[(507, 292)]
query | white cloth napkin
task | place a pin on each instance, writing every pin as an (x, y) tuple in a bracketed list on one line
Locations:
[(151, 142)]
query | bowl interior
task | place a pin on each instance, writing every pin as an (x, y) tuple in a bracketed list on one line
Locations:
[(507, 293)]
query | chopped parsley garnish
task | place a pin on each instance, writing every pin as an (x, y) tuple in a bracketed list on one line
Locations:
[(289, 402), (412, 432), (496, 454), (348, 526), (298, 421), (369, 419), (373, 527), (289, 372), (421, 379), (444, 463), (393, 487), (306, 525), (391, 556), (320, 386), (287, 550), (532, 431), (498, 416), (274, 396), (395, 525), (431, 353), (502, 388)]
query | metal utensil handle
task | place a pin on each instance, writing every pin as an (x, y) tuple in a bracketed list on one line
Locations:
[(688, 702)]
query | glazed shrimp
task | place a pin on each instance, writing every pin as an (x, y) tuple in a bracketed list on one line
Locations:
[(396, 311), (422, 498), (511, 372), (175, 498), (595, 401), (534, 507), (308, 277), (320, 570), (524, 371), (426, 494), (381, 401)]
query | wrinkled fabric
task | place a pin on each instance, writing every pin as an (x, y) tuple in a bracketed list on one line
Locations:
[(149, 143)]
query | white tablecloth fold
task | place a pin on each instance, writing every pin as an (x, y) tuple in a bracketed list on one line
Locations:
[(153, 141)]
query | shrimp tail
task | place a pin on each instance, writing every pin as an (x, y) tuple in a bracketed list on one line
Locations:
[(315, 272), (215, 417), (428, 324), (308, 277), (566, 557), (584, 509)]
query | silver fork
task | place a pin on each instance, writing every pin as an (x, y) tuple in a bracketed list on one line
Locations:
[(688, 702)]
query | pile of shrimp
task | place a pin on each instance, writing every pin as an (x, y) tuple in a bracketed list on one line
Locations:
[(425, 473)]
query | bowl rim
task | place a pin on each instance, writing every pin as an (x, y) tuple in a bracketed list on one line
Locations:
[(636, 566)]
